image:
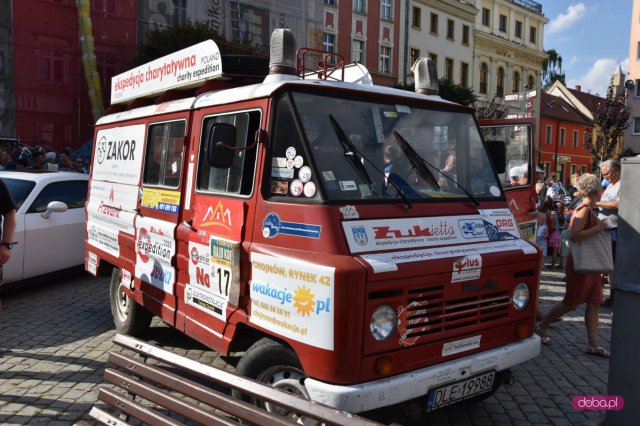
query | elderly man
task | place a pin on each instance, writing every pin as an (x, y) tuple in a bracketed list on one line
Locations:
[(608, 210)]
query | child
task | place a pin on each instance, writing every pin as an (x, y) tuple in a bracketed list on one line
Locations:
[(542, 233), (556, 225), (564, 245)]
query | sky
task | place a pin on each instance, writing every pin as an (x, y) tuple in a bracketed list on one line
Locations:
[(592, 36)]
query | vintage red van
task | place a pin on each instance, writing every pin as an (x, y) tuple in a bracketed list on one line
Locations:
[(358, 236)]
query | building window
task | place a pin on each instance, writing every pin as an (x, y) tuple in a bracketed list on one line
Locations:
[(179, 12), (574, 169), (329, 42), (434, 24), (484, 77), (330, 2), (434, 58), (385, 60), (385, 12), (503, 23), (448, 69), (416, 20), (516, 82), (358, 51), (518, 29), (465, 34), (563, 136), (548, 136), (414, 54), (464, 74), (585, 140), (105, 6), (575, 138), (533, 34), (486, 17), (500, 83), (51, 65), (547, 168), (583, 169), (531, 85), (637, 88), (451, 29), (361, 6), (636, 125)]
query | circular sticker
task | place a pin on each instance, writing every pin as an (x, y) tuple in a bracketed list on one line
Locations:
[(304, 174), (494, 191), (309, 189), (298, 161), (271, 225), (289, 164), (296, 188), (291, 153)]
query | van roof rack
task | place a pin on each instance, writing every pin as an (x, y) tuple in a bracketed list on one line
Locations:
[(330, 66)]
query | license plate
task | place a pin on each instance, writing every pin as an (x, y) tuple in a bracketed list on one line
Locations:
[(459, 391)]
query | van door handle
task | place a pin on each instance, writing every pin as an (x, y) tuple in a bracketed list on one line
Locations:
[(189, 224)]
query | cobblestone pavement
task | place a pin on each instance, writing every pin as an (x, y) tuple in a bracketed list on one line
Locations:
[(54, 340)]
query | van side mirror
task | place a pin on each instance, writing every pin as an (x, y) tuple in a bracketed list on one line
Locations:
[(221, 145), (498, 154), (54, 206)]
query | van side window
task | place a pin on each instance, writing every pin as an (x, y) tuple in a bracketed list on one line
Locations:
[(237, 179), (163, 161)]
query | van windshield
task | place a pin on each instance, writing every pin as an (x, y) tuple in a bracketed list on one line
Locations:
[(363, 150)]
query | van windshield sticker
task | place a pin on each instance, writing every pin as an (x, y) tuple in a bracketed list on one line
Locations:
[(304, 174), (279, 187), (494, 191), (297, 187), (272, 226)]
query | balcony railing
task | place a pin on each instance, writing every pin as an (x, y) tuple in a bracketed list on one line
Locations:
[(531, 5)]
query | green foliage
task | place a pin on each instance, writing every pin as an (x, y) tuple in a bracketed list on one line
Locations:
[(448, 91), (171, 39), (552, 69), (611, 119)]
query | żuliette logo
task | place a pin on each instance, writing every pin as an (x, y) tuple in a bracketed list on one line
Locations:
[(598, 403)]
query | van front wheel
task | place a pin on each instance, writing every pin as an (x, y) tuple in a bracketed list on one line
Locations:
[(128, 316), (275, 365)]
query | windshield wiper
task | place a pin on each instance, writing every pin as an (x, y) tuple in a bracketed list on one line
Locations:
[(352, 153), (422, 165)]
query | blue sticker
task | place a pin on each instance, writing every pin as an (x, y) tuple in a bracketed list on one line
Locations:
[(360, 235), (272, 226), (472, 228), (495, 235)]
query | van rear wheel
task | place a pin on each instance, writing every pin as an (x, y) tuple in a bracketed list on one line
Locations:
[(128, 316), (278, 366)]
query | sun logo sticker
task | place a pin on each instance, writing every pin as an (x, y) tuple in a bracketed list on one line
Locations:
[(303, 301)]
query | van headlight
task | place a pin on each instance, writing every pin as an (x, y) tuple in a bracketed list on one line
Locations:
[(521, 296), (383, 322)]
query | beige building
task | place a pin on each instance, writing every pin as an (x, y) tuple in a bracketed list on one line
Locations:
[(509, 48), (444, 31), (632, 135)]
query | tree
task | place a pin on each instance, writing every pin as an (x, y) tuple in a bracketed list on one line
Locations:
[(611, 119), (171, 39), (448, 91), (552, 69), (491, 110)]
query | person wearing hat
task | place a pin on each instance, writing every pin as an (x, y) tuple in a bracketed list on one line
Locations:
[(51, 161), (519, 175)]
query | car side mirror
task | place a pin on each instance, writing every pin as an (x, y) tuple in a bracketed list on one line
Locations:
[(54, 206), (497, 152), (221, 145)]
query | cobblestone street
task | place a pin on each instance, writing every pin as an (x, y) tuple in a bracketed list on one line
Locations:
[(54, 340)]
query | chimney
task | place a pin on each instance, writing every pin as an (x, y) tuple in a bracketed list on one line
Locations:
[(578, 88)]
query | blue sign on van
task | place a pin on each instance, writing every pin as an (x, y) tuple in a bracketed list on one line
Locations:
[(272, 226)]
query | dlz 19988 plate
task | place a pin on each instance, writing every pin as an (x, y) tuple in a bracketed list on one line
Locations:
[(459, 391)]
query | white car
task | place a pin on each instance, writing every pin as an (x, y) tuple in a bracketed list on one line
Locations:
[(50, 222)]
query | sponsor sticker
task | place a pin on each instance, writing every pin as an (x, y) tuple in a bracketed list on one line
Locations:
[(155, 249), (283, 173), (290, 153), (118, 154), (298, 161), (279, 162), (304, 174), (328, 176), (160, 200), (467, 268), (309, 189), (463, 345), (279, 187), (272, 226), (126, 278), (296, 188), (348, 185), (349, 213), (293, 298)]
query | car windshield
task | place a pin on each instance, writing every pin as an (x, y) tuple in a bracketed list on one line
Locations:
[(19, 189), (364, 150)]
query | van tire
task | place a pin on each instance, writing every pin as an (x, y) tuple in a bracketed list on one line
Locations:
[(276, 365), (128, 316)]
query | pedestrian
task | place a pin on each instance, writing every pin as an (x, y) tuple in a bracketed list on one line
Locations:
[(581, 288), (608, 211), (65, 163), (556, 225), (7, 161), (572, 188), (39, 162), (51, 161), (542, 233), (8, 216), (564, 245)]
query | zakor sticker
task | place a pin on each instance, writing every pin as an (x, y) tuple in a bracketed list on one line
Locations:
[(293, 298)]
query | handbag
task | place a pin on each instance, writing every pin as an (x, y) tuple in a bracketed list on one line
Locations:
[(592, 255)]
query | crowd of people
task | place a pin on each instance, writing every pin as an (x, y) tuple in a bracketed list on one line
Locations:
[(17, 158), (597, 211)]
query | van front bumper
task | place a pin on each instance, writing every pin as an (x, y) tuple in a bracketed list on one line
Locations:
[(407, 386)]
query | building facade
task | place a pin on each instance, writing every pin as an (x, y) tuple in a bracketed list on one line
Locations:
[(443, 31), (44, 72), (508, 47), (632, 135)]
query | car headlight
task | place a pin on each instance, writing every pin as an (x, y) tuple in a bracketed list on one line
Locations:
[(383, 322), (521, 296)]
